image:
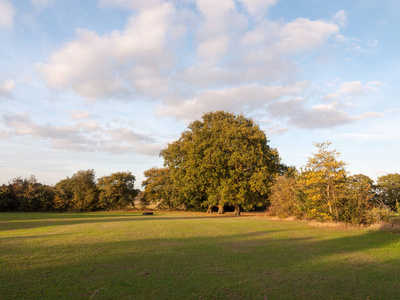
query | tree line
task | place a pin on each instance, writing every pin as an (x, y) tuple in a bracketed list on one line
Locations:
[(223, 160), (324, 191), (81, 192)]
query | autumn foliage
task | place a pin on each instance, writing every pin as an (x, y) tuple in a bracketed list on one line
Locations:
[(322, 190), (223, 160)]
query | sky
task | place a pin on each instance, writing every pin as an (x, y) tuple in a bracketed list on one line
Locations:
[(107, 84)]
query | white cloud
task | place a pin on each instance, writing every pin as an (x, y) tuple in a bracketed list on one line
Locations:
[(276, 130), (340, 18), (349, 88), (218, 25), (213, 49), (7, 13), (78, 114), (6, 88), (353, 88), (368, 115), (111, 65), (279, 40), (85, 136), (89, 125), (238, 74), (341, 38), (258, 8), (236, 99), (295, 112), (140, 60), (304, 35), (233, 67)]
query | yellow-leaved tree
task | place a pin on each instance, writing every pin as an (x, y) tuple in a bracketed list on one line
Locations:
[(322, 181)]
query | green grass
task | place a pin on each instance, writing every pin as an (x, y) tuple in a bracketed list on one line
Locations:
[(191, 256)]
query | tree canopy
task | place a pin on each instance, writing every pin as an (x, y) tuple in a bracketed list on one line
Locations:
[(389, 190), (158, 187), (324, 191), (117, 190), (78, 193), (323, 177), (224, 159)]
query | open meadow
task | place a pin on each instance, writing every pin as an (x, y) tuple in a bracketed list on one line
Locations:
[(191, 256)]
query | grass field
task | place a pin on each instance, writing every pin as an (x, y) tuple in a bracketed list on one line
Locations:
[(191, 256)]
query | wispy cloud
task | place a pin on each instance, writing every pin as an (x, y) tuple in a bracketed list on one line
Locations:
[(297, 113), (353, 88), (85, 136)]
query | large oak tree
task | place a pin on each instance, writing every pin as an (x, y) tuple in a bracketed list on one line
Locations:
[(224, 159)]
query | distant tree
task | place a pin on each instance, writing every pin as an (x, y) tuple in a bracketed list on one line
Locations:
[(85, 190), (322, 180), (78, 193), (357, 197), (47, 195), (117, 190), (323, 191), (222, 160), (64, 195), (5, 198), (27, 194), (285, 199), (388, 188), (158, 188)]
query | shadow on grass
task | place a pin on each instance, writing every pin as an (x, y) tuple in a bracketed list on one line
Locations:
[(277, 263), (43, 220)]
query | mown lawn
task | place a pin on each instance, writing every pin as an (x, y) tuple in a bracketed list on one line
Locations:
[(191, 256)]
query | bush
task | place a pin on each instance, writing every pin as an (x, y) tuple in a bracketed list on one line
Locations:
[(381, 215), (284, 200)]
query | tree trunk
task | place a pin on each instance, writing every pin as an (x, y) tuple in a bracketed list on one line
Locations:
[(329, 199), (237, 210), (221, 209), (210, 208)]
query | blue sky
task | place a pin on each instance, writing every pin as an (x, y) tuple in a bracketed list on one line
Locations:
[(107, 84)]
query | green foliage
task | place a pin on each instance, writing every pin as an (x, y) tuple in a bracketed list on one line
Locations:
[(357, 198), (324, 192), (388, 190), (63, 200), (223, 159), (5, 198), (29, 195), (158, 188), (321, 180), (380, 215), (78, 193), (285, 198), (117, 190)]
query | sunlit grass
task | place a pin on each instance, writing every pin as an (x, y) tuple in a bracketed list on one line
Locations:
[(191, 256)]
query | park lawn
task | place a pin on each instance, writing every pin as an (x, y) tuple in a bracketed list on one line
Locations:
[(191, 256)]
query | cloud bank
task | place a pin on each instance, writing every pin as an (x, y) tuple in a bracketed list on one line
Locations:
[(189, 58)]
